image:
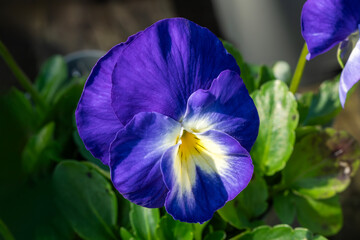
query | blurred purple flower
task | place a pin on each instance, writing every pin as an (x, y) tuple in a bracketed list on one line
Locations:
[(326, 23), (170, 115)]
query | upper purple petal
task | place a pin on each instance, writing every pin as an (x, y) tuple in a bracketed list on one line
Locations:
[(95, 119), (225, 107), (325, 23), (167, 63), (135, 158), (351, 73)]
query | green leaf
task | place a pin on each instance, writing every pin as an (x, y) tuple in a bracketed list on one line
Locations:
[(325, 105), (85, 153), (168, 228), (104, 173), (52, 77), (87, 200), (246, 74), (198, 229), (282, 71), (5, 232), (284, 207), (278, 120), (144, 221), (304, 101), (253, 75), (248, 205), (265, 75), (40, 150), (304, 131), (39, 218), (16, 126), (217, 235), (278, 232), (125, 234), (320, 216), (63, 111), (322, 164), (16, 106)]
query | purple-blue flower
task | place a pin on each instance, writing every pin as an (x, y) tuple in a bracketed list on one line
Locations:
[(170, 115), (326, 23)]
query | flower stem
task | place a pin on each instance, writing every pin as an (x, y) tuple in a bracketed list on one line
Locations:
[(21, 76), (338, 55), (295, 81)]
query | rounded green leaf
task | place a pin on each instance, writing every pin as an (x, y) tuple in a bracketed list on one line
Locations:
[(86, 199), (278, 114), (278, 232), (322, 164)]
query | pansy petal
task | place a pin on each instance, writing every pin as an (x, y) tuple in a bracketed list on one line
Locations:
[(202, 173), (135, 158), (351, 73), (225, 107), (159, 71), (96, 121), (325, 23)]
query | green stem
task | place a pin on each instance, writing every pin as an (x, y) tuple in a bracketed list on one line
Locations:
[(21, 76), (338, 55), (299, 70)]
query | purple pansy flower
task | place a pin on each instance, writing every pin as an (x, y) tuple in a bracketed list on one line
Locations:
[(170, 115), (326, 23)]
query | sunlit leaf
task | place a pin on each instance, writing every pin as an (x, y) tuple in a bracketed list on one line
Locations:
[(278, 120)]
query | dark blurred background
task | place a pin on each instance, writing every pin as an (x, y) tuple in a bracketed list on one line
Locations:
[(264, 30)]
